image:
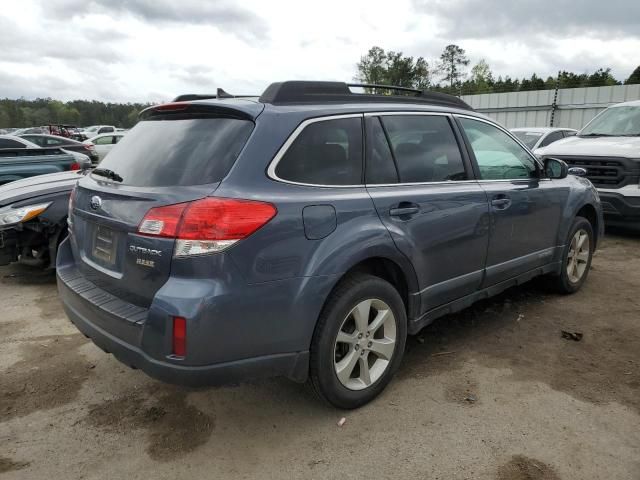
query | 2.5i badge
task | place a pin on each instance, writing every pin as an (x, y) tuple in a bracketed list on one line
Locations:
[(145, 262)]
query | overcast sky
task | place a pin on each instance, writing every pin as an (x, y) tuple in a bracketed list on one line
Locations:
[(151, 50)]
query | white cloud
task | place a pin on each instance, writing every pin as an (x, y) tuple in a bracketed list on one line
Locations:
[(152, 50)]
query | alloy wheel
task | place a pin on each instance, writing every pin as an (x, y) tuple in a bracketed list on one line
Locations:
[(365, 344), (578, 257)]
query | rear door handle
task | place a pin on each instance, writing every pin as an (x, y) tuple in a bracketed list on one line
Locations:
[(404, 209), (501, 202)]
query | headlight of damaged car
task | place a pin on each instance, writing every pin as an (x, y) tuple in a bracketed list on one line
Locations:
[(11, 215)]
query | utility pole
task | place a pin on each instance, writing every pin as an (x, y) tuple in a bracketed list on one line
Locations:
[(554, 105)]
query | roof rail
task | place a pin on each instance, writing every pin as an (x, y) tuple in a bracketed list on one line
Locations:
[(299, 91), (375, 86)]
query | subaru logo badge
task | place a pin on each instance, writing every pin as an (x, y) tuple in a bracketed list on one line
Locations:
[(96, 202)]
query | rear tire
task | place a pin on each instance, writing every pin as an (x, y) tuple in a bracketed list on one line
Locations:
[(576, 258), (358, 342)]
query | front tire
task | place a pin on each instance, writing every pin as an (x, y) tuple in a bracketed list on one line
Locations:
[(359, 341), (576, 258)]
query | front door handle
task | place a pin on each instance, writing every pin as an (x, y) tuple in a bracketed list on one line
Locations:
[(405, 209), (501, 202)]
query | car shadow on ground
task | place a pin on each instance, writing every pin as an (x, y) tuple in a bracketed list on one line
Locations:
[(625, 232), (19, 274)]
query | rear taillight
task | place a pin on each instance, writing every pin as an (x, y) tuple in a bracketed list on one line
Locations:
[(208, 225), (162, 221), (179, 336), (75, 166)]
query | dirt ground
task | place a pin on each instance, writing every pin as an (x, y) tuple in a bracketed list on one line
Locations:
[(494, 392)]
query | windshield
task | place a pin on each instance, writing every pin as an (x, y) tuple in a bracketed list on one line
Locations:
[(528, 138), (615, 121), (161, 153)]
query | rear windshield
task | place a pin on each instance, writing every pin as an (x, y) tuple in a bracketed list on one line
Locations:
[(161, 153), (528, 138)]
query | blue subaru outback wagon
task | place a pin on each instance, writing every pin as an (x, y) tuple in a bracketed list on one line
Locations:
[(306, 232)]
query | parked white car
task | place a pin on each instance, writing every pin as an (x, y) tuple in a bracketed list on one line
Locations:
[(538, 137), (94, 130), (105, 142), (13, 141), (608, 148)]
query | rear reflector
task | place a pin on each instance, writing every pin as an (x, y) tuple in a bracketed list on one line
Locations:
[(208, 225), (179, 336)]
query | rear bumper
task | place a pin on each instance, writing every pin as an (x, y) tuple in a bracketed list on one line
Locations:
[(79, 311), (141, 338), (620, 209)]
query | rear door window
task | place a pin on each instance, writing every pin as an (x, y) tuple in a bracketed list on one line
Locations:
[(180, 152), (424, 148), (327, 152)]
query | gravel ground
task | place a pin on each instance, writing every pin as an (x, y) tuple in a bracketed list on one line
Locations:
[(494, 392)]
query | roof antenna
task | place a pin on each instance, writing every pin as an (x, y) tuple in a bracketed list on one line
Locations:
[(220, 93)]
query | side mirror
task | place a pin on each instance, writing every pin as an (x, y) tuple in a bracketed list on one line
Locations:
[(556, 169)]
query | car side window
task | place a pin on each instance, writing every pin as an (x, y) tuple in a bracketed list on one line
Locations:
[(380, 167), (569, 133), (8, 143), (327, 152), (35, 139), (552, 137), (108, 140), (117, 138), (425, 148), (499, 156), (54, 142)]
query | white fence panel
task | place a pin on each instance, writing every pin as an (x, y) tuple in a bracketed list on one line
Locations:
[(574, 108)]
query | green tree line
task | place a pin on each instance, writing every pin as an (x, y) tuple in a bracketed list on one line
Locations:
[(45, 111), (450, 74)]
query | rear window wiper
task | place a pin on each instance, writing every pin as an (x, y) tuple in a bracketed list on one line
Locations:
[(105, 172)]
